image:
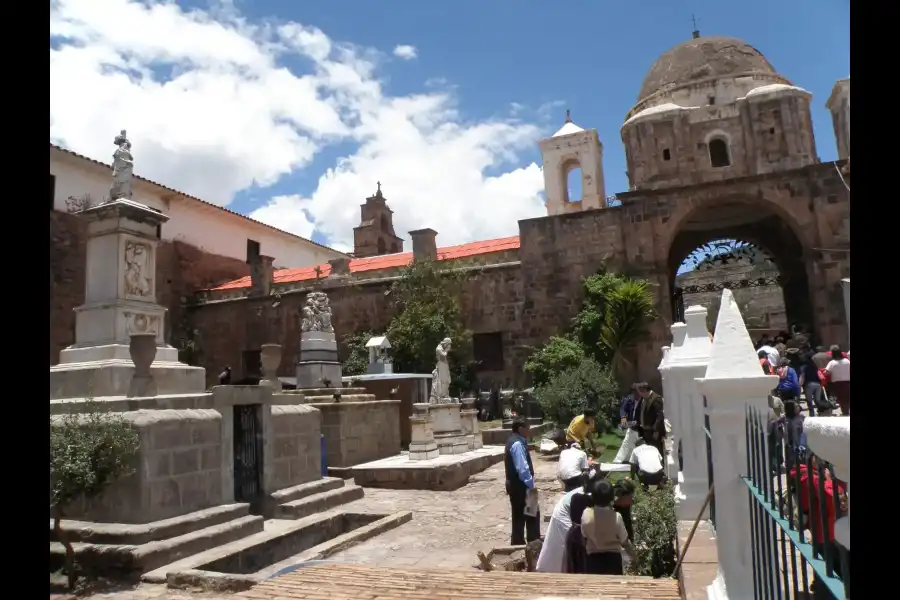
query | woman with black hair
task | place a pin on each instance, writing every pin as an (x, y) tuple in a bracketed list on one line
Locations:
[(604, 533), (838, 369)]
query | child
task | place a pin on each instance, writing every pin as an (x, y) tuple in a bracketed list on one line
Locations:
[(604, 533)]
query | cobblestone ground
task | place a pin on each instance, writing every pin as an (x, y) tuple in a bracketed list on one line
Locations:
[(446, 531)]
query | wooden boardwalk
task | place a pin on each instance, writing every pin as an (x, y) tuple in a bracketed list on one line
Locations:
[(361, 582)]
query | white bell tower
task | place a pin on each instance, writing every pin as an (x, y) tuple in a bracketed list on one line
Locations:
[(572, 148)]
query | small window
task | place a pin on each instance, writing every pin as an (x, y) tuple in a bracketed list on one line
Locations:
[(252, 251), (666, 154), (712, 100), (487, 349), (771, 131), (718, 153), (52, 190)]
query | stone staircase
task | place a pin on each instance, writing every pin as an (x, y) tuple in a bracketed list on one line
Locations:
[(314, 497), (115, 548)]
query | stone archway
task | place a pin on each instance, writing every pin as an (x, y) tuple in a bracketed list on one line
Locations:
[(761, 224)]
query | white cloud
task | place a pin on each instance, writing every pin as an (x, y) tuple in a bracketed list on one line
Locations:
[(215, 104), (405, 52)]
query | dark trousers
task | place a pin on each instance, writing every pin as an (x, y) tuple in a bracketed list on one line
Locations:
[(604, 563), (626, 516), (813, 391), (651, 478), (524, 528), (572, 483)]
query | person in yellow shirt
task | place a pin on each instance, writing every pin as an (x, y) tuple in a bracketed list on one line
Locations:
[(580, 429)]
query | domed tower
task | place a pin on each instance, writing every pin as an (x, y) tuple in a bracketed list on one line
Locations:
[(375, 235), (714, 108)]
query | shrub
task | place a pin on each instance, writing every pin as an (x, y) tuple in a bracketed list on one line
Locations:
[(557, 355), (89, 451), (569, 393), (357, 356), (655, 530)]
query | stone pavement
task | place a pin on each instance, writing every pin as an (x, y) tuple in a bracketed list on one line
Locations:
[(446, 531), (363, 582)]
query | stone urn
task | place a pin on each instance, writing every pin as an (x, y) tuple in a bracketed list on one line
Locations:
[(270, 360), (143, 350)]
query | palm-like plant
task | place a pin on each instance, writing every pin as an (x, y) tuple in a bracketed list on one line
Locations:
[(628, 312)]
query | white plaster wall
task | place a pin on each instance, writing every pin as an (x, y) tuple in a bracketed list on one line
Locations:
[(202, 225), (725, 91)]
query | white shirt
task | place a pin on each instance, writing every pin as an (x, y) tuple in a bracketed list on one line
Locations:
[(553, 551), (647, 458), (572, 461), (839, 369), (771, 353)]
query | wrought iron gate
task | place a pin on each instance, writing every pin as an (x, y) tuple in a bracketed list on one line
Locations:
[(248, 455)]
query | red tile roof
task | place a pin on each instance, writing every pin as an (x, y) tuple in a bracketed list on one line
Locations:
[(385, 261), (189, 197)]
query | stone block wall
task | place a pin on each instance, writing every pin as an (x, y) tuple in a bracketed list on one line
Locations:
[(181, 467), (181, 270), (360, 432), (293, 448)]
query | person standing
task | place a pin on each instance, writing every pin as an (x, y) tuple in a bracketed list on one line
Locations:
[(604, 532), (520, 485), (651, 417), (838, 369), (552, 558), (810, 384), (572, 463), (627, 411)]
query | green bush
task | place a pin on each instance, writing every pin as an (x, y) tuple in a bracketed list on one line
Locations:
[(557, 355), (655, 530), (569, 393), (357, 355)]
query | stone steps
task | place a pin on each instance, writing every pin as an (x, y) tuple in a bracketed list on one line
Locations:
[(304, 507), (110, 559), (305, 490), (134, 535)]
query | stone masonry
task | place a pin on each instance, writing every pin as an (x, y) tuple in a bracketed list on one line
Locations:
[(360, 432)]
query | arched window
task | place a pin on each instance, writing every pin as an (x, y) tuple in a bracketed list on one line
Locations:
[(385, 224), (718, 153)]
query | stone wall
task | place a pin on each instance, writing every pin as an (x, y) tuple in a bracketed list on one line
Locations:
[(293, 443), (180, 468), (360, 432), (181, 270)]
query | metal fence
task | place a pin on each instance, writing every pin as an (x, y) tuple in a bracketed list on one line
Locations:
[(707, 429), (794, 502)]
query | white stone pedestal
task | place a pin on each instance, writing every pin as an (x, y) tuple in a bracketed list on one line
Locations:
[(120, 300), (468, 416), (447, 425), (317, 362), (422, 445)]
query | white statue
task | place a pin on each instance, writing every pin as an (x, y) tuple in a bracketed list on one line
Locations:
[(317, 313), (440, 377), (123, 168)]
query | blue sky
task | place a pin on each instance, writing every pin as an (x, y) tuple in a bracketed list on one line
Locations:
[(500, 69)]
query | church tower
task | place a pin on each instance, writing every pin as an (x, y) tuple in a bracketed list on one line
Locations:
[(375, 234), (573, 148)]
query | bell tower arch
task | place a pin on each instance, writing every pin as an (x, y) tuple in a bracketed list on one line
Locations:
[(568, 149)]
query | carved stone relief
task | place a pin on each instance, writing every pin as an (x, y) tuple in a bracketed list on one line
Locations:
[(139, 270), (141, 323)]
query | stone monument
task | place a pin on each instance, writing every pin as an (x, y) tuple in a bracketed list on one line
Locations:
[(317, 362), (440, 377), (120, 302)]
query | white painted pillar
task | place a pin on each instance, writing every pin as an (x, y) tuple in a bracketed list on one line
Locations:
[(671, 457), (733, 381), (684, 364), (829, 439)]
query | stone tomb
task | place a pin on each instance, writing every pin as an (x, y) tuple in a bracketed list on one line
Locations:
[(446, 449)]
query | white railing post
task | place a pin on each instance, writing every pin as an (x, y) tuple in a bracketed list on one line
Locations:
[(685, 363), (829, 439), (733, 381), (671, 470)]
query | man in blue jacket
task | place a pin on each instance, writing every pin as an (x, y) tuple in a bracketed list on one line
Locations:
[(788, 388), (520, 485)]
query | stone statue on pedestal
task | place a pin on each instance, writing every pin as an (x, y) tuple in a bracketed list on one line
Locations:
[(440, 377), (317, 313), (123, 168)]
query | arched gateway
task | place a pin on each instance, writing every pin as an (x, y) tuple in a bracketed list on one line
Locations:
[(718, 146)]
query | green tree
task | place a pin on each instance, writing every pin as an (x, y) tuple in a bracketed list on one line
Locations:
[(557, 355), (357, 355), (426, 298), (89, 451), (629, 310), (586, 385)]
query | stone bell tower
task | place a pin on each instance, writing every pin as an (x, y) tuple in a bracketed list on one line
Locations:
[(573, 148), (375, 234)]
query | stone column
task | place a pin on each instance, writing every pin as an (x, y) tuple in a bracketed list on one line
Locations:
[(829, 439), (733, 381), (422, 445), (270, 358), (684, 363)]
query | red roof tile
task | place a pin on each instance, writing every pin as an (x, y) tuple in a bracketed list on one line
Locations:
[(385, 261)]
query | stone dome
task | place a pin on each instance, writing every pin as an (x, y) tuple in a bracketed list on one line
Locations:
[(704, 58)]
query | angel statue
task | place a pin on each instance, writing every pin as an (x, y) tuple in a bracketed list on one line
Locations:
[(123, 168), (440, 377)]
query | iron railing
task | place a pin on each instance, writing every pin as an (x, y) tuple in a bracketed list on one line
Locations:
[(794, 502)]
